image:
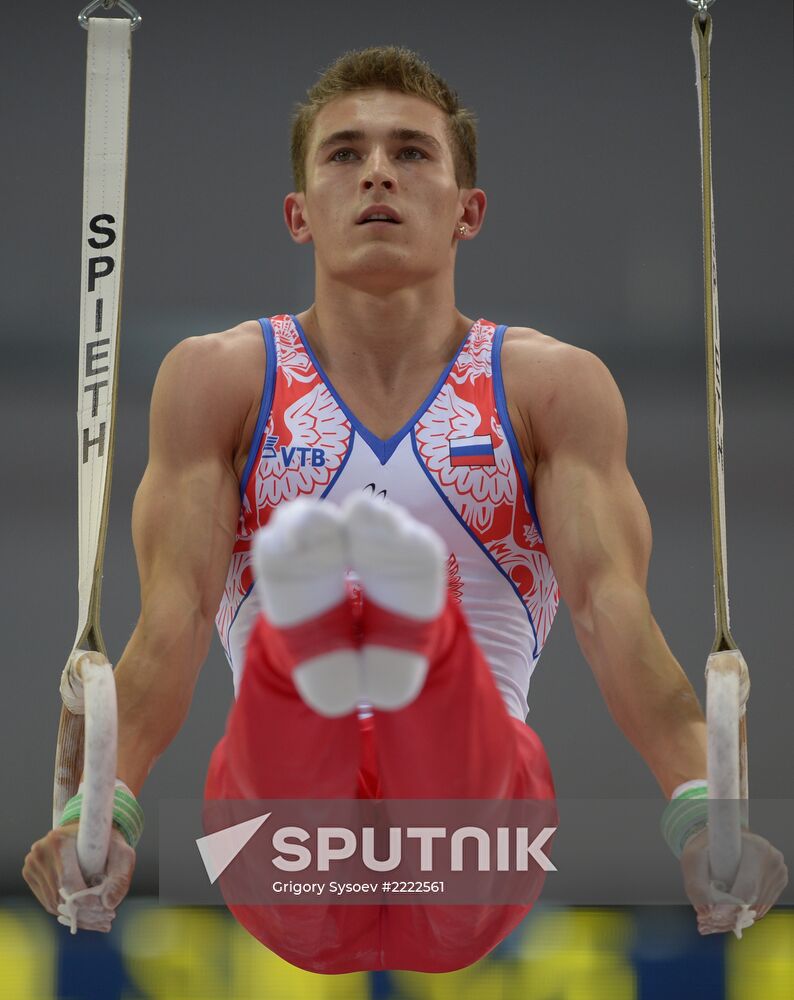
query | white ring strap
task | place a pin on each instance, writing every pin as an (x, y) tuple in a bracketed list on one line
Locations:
[(104, 196), (727, 676)]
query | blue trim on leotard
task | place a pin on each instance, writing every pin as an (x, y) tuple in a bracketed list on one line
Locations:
[(383, 449), (504, 419), (265, 405), (483, 549)]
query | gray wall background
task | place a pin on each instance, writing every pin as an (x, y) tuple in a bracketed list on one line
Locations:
[(589, 156)]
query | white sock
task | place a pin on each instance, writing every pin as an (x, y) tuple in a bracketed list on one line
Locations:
[(391, 678), (402, 564), (299, 561), (330, 683)]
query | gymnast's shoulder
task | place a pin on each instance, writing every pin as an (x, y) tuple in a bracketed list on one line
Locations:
[(550, 384), (220, 374), (221, 355)]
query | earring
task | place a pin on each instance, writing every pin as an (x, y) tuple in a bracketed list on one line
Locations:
[(462, 230)]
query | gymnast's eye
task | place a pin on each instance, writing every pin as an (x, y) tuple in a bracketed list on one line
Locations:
[(408, 149)]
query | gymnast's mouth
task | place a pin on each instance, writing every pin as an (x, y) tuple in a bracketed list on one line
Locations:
[(378, 213)]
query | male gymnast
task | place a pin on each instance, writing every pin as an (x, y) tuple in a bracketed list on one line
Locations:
[(378, 502)]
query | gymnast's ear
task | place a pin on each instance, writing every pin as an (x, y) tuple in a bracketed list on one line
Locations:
[(473, 203), (297, 223)]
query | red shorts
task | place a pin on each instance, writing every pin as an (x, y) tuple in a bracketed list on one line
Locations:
[(456, 740)]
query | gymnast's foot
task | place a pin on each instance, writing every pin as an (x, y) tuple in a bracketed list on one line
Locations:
[(299, 562), (402, 566)]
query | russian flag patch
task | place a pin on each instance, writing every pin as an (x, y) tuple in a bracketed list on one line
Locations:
[(477, 450)]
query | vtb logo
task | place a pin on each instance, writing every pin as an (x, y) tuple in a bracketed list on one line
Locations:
[(305, 456)]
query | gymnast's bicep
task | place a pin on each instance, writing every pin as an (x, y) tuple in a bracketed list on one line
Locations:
[(186, 508), (595, 525)]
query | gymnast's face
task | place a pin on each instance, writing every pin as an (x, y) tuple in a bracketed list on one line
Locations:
[(381, 147)]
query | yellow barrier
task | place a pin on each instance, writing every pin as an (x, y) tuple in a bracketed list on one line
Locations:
[(203, 954), (558, 955), (762, 963), (189, 954), (27, 954)]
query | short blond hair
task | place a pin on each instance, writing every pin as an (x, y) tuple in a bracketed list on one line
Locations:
[(391, 68)]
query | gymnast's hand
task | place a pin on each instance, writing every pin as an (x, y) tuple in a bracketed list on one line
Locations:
[(761, 878), (53, 873)]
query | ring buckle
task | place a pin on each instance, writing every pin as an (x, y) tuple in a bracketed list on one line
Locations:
[(702, 7), (127, 7)]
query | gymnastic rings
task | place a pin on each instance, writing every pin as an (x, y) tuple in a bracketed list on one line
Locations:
[(84, 14), (702, 7)]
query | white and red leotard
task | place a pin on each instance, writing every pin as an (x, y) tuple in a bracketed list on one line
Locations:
[(455, 466)]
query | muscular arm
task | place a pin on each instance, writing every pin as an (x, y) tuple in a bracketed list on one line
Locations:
[(598, 537), (183, 524), (184, 520)]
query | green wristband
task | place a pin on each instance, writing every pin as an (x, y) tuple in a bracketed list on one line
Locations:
[(685, 816), (127, 814), (71, 811)]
